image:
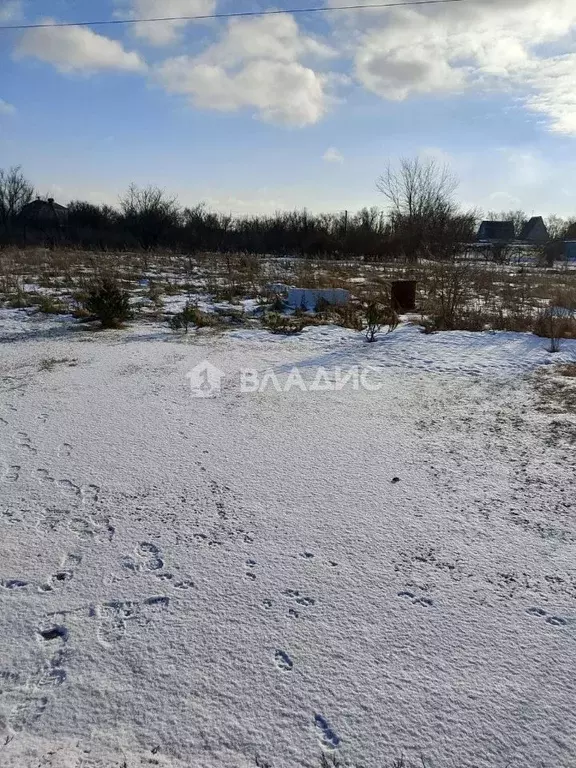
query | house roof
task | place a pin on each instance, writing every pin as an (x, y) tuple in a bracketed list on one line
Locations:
[(529, 227), (38, 204), (496, 230)]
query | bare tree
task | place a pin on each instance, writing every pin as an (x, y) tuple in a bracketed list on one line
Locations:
[(149, 213), (15, 192), (424, 216), (418, 188)]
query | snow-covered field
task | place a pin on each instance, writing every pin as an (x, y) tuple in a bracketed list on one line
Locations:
[(260, 579)]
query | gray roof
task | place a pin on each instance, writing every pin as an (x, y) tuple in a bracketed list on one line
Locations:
[(38, 204), (528, 228), (496, 230)]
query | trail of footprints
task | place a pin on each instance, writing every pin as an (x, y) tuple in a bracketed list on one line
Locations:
[(24, 442), (328, 739), (84, 527), (149, 558), (29, 695), (56, 580), (114, 616), (85, 493)]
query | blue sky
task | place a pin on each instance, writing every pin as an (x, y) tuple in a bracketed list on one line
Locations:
[(258, 114)]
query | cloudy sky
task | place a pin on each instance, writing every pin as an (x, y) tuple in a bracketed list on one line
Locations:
[(261, 113)]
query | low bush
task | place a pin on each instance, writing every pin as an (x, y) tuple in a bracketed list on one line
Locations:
[(191, 315), (346, 316), (377, 316), (553, 325), (19, 300), (108, 301), (49, 305), (287, 325), (155, 293), (479, 319)]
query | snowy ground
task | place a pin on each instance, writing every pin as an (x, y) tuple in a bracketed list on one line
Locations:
[(237, 581)]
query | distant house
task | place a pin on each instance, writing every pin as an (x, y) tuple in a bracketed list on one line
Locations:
[(534, 231), (496, 232), (44, 215), (570, 251)]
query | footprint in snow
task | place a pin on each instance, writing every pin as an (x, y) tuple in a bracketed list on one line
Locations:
[(150, 560), (250, 574), (326, 736), (68, 488), (58, 632), (82, 527), (426, 601), (184, 584), (44, 476), (25, 443), (554, 621), (150, 555), (28, 710), (65, 450), (14, 584), (10, 473), (303, 600), (30, 703), (64, 574), (90, 493), (112, 620), (283, 661)]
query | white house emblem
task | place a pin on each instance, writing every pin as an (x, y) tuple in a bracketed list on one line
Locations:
[(205, 380)]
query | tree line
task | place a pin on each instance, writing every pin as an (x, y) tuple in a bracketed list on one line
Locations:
[(421, 218)]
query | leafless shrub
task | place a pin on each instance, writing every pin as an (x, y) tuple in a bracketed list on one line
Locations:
[(550, 323), (347, 316), (379, 313), (450, 290)]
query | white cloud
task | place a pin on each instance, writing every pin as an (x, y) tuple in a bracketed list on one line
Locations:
[(258, 63), (6, 108), (163, 33), (276, 38), (481, 45), (77, 49), (332, 155)]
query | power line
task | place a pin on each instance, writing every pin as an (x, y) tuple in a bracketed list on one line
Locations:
[(241, 14)]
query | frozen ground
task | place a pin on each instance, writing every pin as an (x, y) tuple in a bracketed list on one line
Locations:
[(257, 579)]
